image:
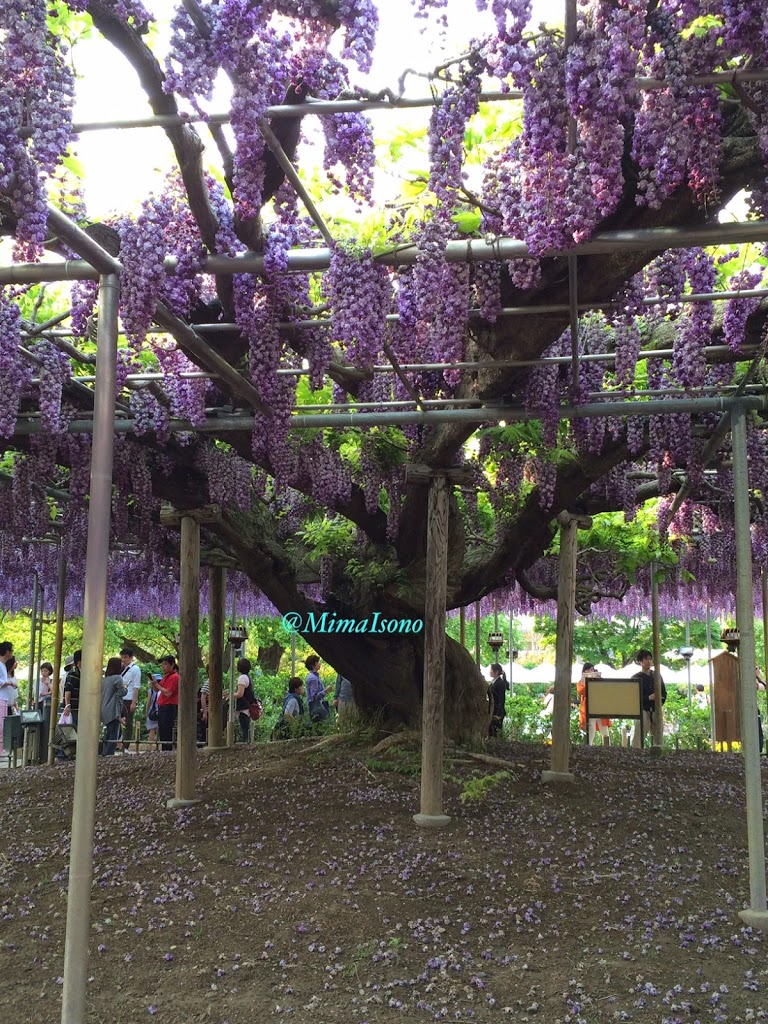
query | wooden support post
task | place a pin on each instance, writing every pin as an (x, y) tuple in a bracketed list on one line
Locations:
[(186, 728), (136, 734), (217, 579), (566, 606), (463, 626), (431, 815), (658, 713)]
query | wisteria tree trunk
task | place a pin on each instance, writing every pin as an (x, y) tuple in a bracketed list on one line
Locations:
[(332, 514), (268, 658), (387, 679)]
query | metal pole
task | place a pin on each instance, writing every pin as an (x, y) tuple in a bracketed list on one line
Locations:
[(571, 16), (216, 621), (487, 414), (711, 679), (688, 659), (690, 688), (78, 929), (398, 103), (506, 364), (32, 641), (511, 657), (765, 633), (469, 251), (61, 593), (745, 620), (40, 619), (231, 705), (658, 708)]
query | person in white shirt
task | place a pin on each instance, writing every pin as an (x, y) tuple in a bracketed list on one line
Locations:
[(9, 690), (131, 674)]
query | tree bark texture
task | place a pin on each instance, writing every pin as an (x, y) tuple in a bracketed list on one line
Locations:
[(434, 650), (566, 606)]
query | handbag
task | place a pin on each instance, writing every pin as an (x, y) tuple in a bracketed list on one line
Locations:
[(152, 712), (255, 707), (66, 718), (319, 710)]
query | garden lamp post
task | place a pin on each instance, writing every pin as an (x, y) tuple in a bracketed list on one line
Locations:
[(512, 659), (687, 654), (495, 642), (236, 636)]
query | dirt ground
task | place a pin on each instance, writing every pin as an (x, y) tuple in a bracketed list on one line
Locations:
[(300, 888)]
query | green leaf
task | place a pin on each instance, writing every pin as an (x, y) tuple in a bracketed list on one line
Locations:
[(467, 221)]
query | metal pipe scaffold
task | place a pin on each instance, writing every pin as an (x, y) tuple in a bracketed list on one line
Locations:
[(388, 102), (757, 915), (468, 251), (225, 424), (73, 1009)]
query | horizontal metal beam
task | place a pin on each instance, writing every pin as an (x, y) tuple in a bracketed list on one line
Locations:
[(710, 353), (482, 415), (474, 314), (469, 251), (394, 103)]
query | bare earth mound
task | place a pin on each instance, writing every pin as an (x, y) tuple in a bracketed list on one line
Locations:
[(300, 888)]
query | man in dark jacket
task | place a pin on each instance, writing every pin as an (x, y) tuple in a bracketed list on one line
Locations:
[(647, 678), (72, 687)]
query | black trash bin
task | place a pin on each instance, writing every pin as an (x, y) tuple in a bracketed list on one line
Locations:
[(45, 707), (13, 738)]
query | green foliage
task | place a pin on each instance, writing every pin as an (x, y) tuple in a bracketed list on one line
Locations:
[(306, 396), (487, 656), (326, 536), (615, 641), (71, 25), (690, 726), (526, 720), (478, 787), (372, 576), (634, 545)]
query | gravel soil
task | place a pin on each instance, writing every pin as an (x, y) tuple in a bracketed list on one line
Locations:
[(300, 888)]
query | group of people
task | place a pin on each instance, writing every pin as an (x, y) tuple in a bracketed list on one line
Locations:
[(9, 688), (305, 703), (297, 715), (120, 689), (499, 687), (647, 679)]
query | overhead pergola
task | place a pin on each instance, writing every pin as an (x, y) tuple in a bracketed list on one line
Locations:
[(106, 420)]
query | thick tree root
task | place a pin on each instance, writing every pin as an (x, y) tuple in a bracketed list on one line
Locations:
[(397, 739), (498, 762)]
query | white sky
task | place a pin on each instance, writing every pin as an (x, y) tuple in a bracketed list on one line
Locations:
[(124, 166)]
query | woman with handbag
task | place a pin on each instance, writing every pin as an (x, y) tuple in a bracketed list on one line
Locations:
[(318, 706), (244, 697)]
